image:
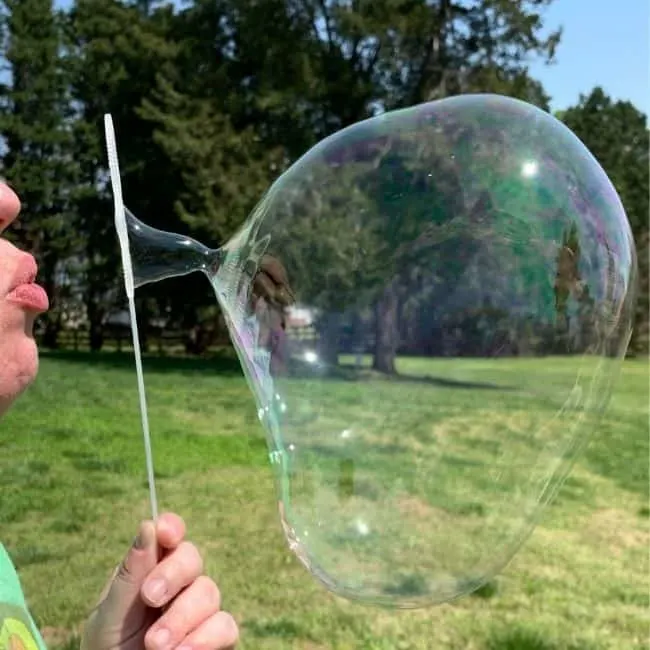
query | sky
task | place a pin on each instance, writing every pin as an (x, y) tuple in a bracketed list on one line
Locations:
[(604, 43)]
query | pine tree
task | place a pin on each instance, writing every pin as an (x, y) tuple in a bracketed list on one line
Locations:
[(34, 123), (113, 53)]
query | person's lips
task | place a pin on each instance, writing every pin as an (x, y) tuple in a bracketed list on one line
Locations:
[(24, 291), (31, 297)]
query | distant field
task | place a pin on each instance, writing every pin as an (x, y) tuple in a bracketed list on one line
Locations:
[(74, 490)]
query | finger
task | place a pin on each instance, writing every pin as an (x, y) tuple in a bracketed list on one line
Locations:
[(196, 604), (123, 590), (171, 575), (274, 269), (264, 286), (9, 205), (278, 274), (284, 296), (170, 529), (219, 632)]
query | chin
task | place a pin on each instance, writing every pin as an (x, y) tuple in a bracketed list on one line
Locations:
[(18, 368)]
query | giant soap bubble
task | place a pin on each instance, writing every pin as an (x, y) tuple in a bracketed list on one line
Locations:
[(430, 308)]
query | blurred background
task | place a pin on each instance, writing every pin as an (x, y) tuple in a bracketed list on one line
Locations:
[(212, 100)]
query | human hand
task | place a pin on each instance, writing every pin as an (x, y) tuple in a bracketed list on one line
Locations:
[(271, 282), (129, 616)]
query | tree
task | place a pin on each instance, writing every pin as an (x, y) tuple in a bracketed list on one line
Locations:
[(35, 126), (219, 98), (390, 54), (224, 116), (251, 78), (617, 133), (224, 172), (113, 53), (256, 61)]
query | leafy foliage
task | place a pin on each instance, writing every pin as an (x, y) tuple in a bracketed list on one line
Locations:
[(617, 135), (214, 99), (35, 123)]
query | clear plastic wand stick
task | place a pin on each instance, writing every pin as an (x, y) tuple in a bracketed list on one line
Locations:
[(123, 236)]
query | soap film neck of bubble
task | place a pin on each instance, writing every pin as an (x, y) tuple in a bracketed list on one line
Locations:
[(159, 255)]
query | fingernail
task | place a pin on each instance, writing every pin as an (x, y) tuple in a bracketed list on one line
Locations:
[(144, 537), (162, 527), (160, 638), (155, 590)]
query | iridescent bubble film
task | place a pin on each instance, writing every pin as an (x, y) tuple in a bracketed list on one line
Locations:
[(400, 300)]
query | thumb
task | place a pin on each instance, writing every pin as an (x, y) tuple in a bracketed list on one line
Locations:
[(142, 557)]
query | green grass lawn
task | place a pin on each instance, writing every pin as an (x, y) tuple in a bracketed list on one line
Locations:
[(74, 489)]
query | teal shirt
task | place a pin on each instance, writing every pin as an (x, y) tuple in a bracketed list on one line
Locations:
[(17, 629)]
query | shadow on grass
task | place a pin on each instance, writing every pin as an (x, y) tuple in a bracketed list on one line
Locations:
[(29, 555), (226, 364), (444, 382), (280, 628), (486, 591), (348, 372), (411, 585), (523, 639), (223, 363)]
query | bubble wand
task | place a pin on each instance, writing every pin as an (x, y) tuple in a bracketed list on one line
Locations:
[(129, 285)]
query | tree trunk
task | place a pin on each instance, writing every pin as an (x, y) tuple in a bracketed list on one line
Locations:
[(96, 336), (143, 311), (50, 338), (387, 331), (199, 339), (53, 318), (96, 326), (328, 344)]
